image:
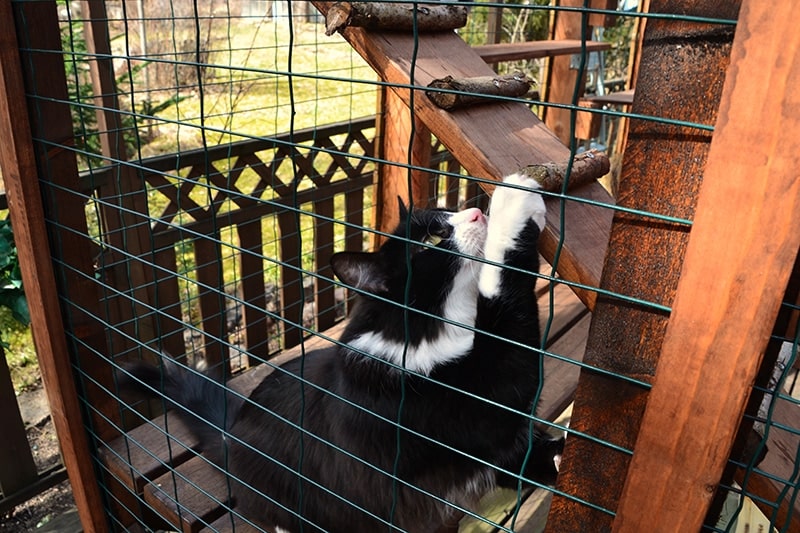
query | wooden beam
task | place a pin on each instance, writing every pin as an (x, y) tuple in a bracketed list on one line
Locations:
[(741, 251), (20, 472), (124, 207), (493, 53), (403, 140), (661, 174), (18, 163)]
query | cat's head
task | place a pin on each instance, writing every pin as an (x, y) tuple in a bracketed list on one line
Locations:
[(436, 243)]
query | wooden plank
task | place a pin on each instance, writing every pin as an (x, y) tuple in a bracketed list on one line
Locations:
[(617, 98), (291, 281), (251, 264), (490, 141), (124, 209), (495, 53), (190, 497), (211, 293), (404, 140), (739, 258), (561, 377), (324, 296), (230, 522), (603, 20), (17, 469), (560, 86), (146, 452), (169, 324), (19, 167), (661, 174)]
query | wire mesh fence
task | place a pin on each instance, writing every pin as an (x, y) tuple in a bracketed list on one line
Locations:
[(204, 166)]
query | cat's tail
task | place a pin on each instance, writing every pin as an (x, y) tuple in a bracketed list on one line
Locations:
[(206, 406)]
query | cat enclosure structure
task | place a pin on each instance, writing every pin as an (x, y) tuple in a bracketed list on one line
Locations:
[(180, 175)]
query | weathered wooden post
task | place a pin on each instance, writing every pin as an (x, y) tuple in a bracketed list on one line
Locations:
[(683, 68)]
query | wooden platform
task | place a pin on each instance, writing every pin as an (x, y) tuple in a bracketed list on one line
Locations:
[(166, 473)]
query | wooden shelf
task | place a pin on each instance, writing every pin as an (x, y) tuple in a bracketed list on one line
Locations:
[(496, 53), (617, 98)]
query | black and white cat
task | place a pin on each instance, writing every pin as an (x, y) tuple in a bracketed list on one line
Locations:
[(461, 408)]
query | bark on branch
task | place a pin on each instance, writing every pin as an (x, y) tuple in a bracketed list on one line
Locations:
[(472, 91), (394, 17), (586, 167)]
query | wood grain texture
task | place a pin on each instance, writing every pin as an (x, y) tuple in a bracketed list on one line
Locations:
[(19, 167), (740, 254), (661, 174)]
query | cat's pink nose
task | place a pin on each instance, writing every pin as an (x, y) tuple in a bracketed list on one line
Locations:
[(473, 214)]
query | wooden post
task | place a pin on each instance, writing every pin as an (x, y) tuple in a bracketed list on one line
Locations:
[(740, 254), (561, 77), (19, 167), (394, 139), (661, 174), (126, 221)]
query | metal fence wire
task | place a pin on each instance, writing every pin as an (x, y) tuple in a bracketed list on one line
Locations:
[(202, 162)]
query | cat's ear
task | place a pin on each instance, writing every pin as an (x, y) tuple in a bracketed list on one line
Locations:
[(360, 270), (401, 208)]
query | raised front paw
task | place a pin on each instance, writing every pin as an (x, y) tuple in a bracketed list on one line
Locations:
[(513, 206)]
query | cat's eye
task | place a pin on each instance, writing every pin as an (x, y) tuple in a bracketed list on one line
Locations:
[(432, 240)]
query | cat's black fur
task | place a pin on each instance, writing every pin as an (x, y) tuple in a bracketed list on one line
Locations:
[(350, 401)]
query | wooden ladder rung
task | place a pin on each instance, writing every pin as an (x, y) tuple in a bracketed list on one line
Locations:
[(146, 452), (190, 497), (496, 53)]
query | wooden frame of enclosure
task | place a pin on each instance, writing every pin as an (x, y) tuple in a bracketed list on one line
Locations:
[(724, 281)]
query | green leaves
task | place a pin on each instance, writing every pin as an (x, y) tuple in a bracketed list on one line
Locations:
[(11, 293)]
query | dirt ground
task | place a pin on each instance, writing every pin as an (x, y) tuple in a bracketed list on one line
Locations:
[(53, 509)]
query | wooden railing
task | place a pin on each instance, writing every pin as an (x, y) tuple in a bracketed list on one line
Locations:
[(196, 198), (229, 235)]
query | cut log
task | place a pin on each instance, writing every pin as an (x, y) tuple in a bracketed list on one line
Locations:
[(586, 167), (394, 17), (473, 91)]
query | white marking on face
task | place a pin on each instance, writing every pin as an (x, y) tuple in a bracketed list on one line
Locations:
[(511, 209), (469, 231)]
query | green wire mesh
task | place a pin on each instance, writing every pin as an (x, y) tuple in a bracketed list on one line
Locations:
[(246, 150)]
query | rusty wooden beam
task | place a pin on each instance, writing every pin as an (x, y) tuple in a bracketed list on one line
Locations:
[(683, 67), (740, 254)]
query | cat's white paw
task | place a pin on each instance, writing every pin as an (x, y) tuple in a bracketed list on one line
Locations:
[(514, 206), (511, 209)]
